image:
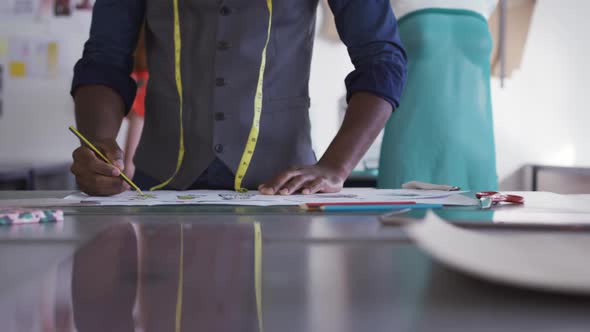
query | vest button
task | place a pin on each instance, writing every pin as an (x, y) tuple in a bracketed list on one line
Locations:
[(224, 11), (223, 45), (218, 148), (220, 81), (219, 116)]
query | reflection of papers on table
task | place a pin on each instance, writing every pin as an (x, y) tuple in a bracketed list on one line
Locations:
[(556, 261), (253, 198)]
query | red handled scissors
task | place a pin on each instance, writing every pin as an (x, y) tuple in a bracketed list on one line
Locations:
[(489, 198)]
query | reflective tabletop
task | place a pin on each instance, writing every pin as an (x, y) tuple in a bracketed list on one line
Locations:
[(201, 271)]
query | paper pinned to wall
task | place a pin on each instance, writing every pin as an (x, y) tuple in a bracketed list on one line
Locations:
[(19, 8), (62, 8), (33, 58), (253, 198), (3, 59), (84, 4), (3, 50), (1, 88)]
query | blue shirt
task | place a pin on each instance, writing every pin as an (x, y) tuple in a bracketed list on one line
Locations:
[(367, 27)]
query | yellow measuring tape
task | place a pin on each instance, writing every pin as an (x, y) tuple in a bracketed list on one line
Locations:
[(254, 130), (178, 78), (257, 278)]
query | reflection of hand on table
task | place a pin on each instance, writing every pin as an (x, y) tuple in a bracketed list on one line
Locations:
[(104, 281)]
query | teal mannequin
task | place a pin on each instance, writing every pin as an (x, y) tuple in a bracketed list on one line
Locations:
[(443, 130)]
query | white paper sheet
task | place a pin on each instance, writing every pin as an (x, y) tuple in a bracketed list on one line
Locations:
[(556, 261), (38, 202), (34, 57), (253, 198)]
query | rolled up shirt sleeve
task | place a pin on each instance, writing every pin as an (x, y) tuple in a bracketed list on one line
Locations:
[(108, 54), (369, 30)]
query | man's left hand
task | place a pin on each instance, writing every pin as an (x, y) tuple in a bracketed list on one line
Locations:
[(365, 118), (306, 180)]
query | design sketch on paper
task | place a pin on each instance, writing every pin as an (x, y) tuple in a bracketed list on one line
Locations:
[(140, 197), (336, 195), (189, 197), (237, 196)]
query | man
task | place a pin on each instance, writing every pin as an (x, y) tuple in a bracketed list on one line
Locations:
[(207, 61)]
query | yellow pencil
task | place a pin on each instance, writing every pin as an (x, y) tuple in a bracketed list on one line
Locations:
[(103, 157)]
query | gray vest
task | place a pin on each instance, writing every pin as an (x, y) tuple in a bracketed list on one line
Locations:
[(222, 41)]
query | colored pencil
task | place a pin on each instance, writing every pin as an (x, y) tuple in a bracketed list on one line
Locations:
[(360, 208), (103, 157), (359, 203), (316, 206)]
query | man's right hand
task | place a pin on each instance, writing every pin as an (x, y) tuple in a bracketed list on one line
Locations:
[(96, 177)]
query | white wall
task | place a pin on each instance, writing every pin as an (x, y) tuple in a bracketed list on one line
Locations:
[(329, 67), (540, 117), (38, 111)]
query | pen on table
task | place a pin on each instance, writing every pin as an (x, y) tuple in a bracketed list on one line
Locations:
[(317, 206), (361, 208), (103, 157)]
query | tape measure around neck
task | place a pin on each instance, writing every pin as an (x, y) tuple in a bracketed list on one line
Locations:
[(257, 278), (255, 129)]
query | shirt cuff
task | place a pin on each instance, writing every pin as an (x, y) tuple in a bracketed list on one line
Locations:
[(93, 73), (382, 79)]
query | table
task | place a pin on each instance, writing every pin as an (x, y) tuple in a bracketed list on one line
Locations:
[(566, 180), (16, 176), (116, 268), (36, 175)]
